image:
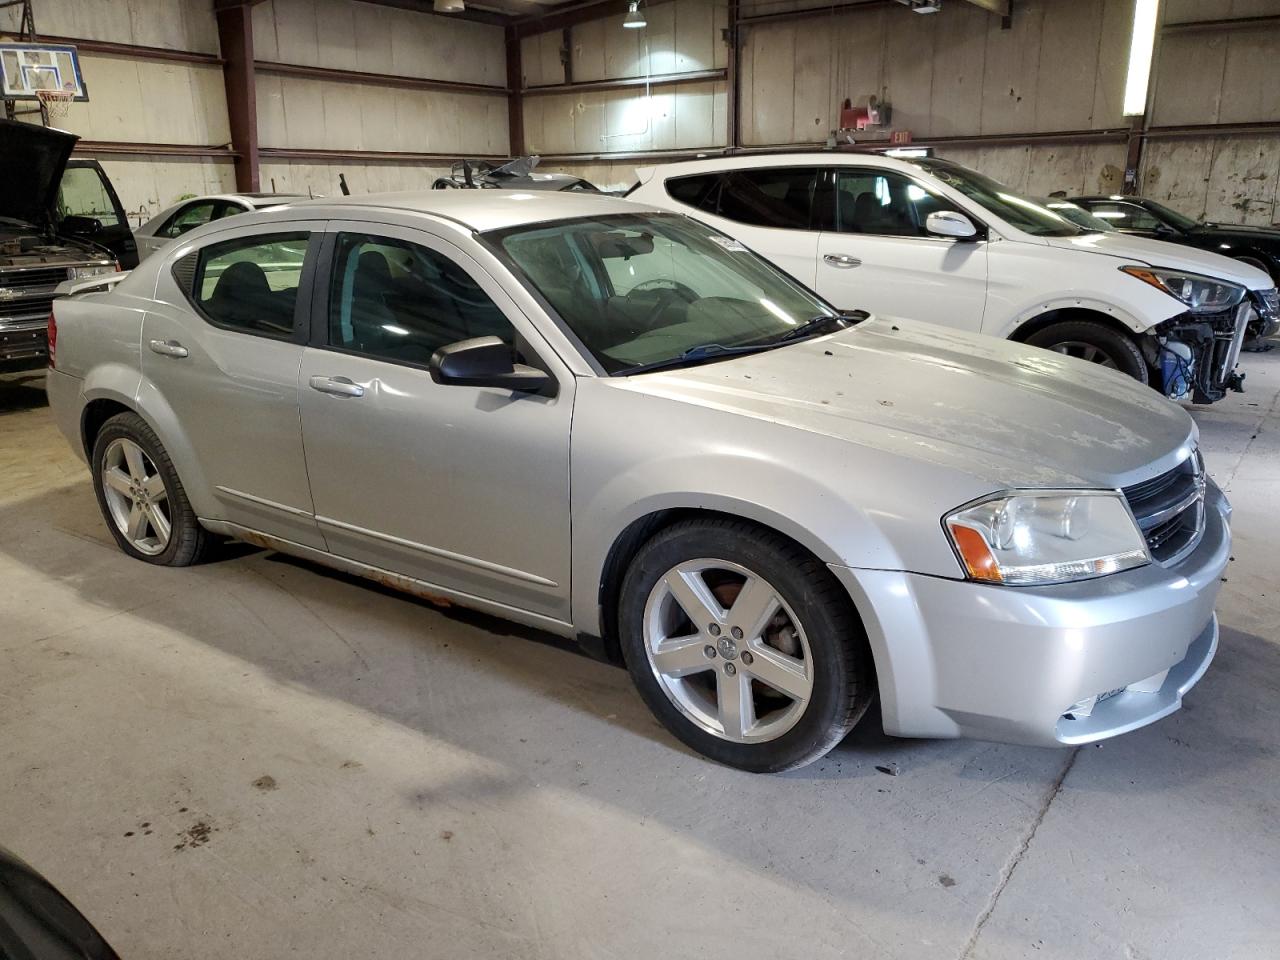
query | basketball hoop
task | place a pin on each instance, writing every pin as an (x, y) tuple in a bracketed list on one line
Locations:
[(56, 103)]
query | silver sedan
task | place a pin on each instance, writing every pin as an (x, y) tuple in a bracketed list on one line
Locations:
[(621, 426)]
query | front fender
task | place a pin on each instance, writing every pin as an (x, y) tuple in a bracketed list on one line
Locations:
[(643, 455)]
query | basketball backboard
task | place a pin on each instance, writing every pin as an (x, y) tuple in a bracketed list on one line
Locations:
[(28, 68)]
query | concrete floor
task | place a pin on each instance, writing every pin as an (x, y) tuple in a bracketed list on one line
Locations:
[(259, 758)]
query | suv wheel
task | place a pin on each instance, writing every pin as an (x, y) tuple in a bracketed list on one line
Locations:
[(743, 645), (141, 498), (1095, 343)]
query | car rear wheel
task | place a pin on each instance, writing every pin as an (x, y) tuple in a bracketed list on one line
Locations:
[(1093, 342), (743, 645), (141, 497)]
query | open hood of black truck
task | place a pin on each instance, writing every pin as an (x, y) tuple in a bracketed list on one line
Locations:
[(32, 159)]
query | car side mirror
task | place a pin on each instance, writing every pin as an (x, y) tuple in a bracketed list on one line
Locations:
[(81, 226), (484, 362), (950, 223)]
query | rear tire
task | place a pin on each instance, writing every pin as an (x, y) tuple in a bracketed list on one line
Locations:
[(791, 672), (1093, 342), (141, 497)]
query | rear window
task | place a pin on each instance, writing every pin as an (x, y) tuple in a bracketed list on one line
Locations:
[(779, 197)]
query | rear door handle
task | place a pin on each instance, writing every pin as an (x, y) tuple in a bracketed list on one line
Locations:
[(842, 260), (168, 348), (337, 386)]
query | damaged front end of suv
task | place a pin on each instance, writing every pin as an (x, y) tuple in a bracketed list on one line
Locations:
[(1196, 352)]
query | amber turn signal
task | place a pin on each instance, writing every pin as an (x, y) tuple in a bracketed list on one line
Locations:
[(975, 553)]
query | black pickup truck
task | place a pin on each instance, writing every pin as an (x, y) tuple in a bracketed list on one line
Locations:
[(42, 245)]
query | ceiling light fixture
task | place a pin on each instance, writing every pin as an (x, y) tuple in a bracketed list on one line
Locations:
[(634, 19), (1140, 49), (449, 6)]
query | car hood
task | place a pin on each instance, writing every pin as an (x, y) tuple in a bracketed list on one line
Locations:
[(1158, 253), (32, 160), (1010, 414), (1238, 230)]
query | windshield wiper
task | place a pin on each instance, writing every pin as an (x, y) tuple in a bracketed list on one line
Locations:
[(704, 351), (809, 328)]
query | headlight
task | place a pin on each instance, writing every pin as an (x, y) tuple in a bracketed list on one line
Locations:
[(1200, 294), (79, 273), (1049, 536)]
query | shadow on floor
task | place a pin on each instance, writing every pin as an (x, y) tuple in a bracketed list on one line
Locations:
[(18, 396)]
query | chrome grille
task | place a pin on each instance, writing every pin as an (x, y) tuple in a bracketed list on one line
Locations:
[(1169, 509)]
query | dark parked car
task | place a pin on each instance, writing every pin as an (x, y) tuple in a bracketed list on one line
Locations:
[(39, 923), (1257, 246), (41, 244)]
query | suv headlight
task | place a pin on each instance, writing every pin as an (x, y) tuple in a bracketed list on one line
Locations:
[(1201, 294), (80, 273), (1047, 536)]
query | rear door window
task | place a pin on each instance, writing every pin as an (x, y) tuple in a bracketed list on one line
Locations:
[(770, 197), (249, 284)]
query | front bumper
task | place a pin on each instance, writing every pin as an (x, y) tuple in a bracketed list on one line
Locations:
[(24, 343), (961, 659)]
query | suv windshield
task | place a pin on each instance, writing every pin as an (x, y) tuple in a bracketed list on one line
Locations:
[(644, 289), (1022, 212)]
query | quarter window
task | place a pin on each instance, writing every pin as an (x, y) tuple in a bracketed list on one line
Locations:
[(250, 284), (401, 301), (883, 203)]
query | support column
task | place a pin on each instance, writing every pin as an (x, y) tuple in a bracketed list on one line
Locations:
[(515, 99), (235, 35), (733, 112)]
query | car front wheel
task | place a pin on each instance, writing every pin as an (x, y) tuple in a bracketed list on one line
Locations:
[(1093, 342), (141, 497), (743, 644)]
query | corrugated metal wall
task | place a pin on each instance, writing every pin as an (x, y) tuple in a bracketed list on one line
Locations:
[(146, 100), (1060, 68)]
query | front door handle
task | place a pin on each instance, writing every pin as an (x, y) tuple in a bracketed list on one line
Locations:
[(842, 260), (168, 348), (337, 386)]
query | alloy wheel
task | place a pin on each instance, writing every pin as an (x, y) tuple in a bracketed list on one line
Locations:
[(136, 497), (1089, 352), (728, 651)]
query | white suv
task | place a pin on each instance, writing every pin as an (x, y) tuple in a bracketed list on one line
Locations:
[(931, 240)]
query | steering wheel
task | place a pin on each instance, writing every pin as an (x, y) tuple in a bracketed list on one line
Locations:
[(668, 290)]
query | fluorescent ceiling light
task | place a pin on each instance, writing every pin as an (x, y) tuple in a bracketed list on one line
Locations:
[(635, 19), (1140, 46), (449, 6)]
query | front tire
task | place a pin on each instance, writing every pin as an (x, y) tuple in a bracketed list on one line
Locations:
[(1093, 342), (743, 645), (141, 497)]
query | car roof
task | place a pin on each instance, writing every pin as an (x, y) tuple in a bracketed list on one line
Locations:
[(482, 210), (771, 158)]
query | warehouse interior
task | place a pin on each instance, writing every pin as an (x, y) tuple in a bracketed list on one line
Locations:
[(262, 757)]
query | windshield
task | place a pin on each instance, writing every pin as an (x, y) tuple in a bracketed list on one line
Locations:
[(1078, 215), (641, 289), (1171, 216), (1028, 215)]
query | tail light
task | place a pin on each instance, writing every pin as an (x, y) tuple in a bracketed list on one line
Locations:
[(53, 339)]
